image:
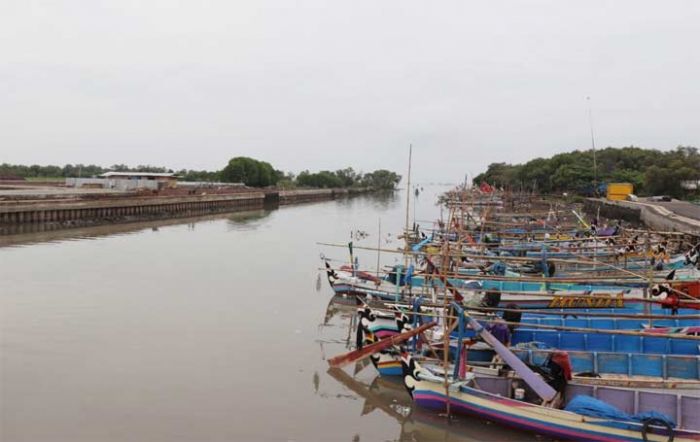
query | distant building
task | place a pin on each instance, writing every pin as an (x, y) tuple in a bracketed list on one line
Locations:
[(126, 181), (163, 179)]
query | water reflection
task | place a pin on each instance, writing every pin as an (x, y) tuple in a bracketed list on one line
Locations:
[(389, 397), (26, 234), (208, 328), (342, 306), (384, 201), (246, 221)]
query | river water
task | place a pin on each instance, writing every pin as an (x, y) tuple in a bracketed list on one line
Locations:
[(206, 329)]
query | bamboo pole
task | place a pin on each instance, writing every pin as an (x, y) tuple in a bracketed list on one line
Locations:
[(613, 280), (547, 312), (683, 294), (585, 314), (446, 335), (379, 242), (542, 242), (467, 255)]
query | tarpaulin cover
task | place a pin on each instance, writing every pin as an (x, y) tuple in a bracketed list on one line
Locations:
[(590, 406)]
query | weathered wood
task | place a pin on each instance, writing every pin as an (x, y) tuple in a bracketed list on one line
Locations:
[(357, 355)]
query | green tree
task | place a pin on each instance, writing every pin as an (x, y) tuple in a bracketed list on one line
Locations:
[(381, 179), (250, 172), (348, 176), (650, 171), (322, 179)]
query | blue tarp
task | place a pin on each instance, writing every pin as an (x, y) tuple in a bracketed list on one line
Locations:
[(420, 245), (590, 406)]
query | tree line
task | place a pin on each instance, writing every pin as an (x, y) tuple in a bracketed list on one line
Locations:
[(379, 179), (15, 171), (651, 171), (251, 172), (256, 173)]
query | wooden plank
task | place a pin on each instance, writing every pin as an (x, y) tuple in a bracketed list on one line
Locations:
[(356, 355)]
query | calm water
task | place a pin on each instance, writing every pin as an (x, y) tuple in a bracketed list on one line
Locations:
[(208, 329)]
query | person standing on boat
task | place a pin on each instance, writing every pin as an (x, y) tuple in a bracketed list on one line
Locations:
[(594, 227), (499, 329), (558, 370)]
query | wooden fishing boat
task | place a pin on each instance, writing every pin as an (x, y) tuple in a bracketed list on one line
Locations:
[(429, 391), (374, 326), (495, 399), (616, 350), (418, 423), (617, 368), (603, 342), (577, 422), (535, 295), (389, 396), (523, 292), (610, 359)]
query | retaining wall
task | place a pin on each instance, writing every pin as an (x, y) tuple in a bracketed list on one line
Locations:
[(86, 212), (610, 210), (298, 196), (306, 195), (114, 210), (655, 217)]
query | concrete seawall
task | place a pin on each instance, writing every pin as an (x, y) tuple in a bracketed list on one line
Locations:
[(284, 197), (302, 196), (85, 212), (652, 215)]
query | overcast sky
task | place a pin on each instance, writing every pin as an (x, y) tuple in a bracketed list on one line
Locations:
[(329, 84)]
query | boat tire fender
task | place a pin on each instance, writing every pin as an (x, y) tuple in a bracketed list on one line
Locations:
[(649, 422)]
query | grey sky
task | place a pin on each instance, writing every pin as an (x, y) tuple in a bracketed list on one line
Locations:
[(329, 84)]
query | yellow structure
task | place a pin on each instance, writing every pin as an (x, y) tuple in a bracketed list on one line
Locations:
[(619, 191)]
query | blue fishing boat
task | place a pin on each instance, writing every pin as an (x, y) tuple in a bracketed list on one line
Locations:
[(583, 418), (569, 423)]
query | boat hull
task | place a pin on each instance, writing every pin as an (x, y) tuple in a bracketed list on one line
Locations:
[(533, 418)]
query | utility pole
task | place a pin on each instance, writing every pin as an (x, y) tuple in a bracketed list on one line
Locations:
[(595, 164)]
